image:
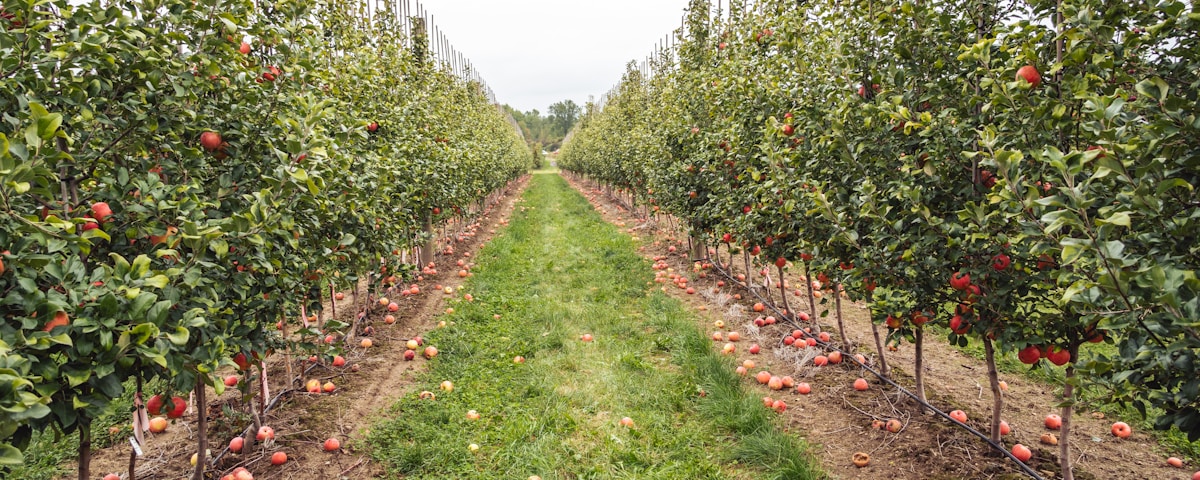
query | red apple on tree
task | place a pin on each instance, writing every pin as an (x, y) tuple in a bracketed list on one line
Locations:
[(960, 281), (987, 178), (1045, 262), (241, 362), (893, 322), (1001, 262), (1057, 355), (89, 223), (101, 211), (1030, 74), (1030, 355), (210, 140), (959, 326), (154, 405), (178, 406)]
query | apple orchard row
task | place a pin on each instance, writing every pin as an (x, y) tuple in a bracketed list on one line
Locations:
[(179, 178), (1023, 174)]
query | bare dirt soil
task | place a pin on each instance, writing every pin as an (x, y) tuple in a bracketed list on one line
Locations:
[(837, 420)]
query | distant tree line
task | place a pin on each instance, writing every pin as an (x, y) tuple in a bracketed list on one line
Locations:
[(548, 130)]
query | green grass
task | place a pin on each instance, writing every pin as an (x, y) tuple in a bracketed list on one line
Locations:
[(556, 272)]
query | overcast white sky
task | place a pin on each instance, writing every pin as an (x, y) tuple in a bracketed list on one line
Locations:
[(536, 52)]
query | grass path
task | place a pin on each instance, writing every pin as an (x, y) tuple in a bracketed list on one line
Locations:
[(558, 271)]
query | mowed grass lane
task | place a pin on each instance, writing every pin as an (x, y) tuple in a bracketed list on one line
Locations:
[(556, 272)]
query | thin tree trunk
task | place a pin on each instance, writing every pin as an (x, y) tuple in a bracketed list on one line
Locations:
[(812, 302), (767, 290), (354, 311), (201, 430), (694, 247), (1064, 443), (332, 300), (837, 301), (783, 294), (883, 366), (85, 448), (132, 464), (919, 375), (989, 352), (749, 274), (139, 411), (430, 244)]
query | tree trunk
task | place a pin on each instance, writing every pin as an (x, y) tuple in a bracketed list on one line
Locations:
[(767, 290), (837, 301), (919, 375), (812, 302), (332, 300), (201, 430), (255, 420), (883, 366), (85, 448), (1064, 443), (783, 293), (994, 380), (749, 282), (430, 242)]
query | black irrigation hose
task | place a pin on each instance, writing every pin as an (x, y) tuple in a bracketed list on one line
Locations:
[(1026, 469)]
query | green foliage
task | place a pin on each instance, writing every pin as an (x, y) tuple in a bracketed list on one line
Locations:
[(563, 115), (549, 130), (539, 158), (895, 139), (335, 143), (556, 272)]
